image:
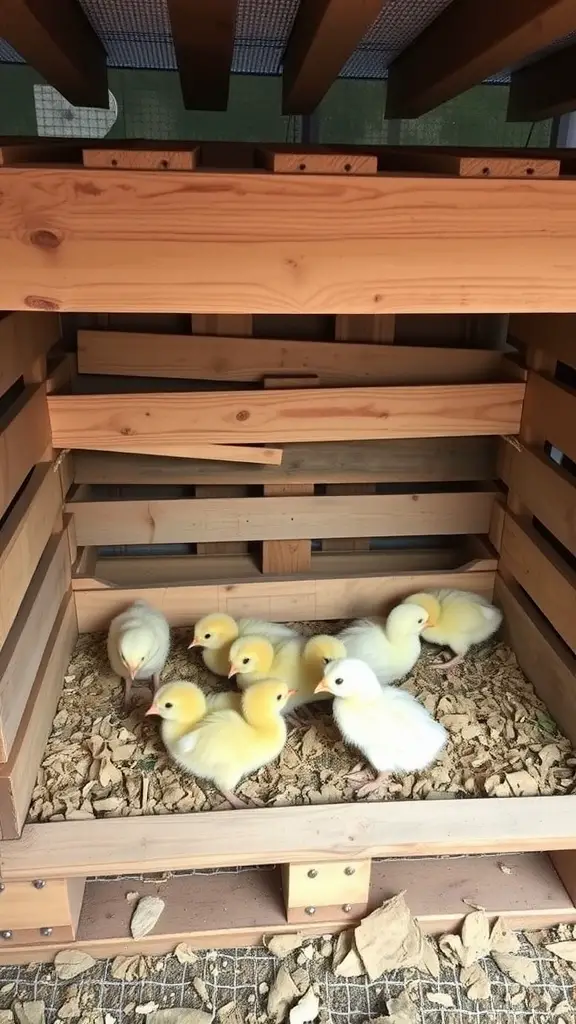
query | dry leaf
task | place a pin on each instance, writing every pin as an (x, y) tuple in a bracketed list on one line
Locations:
[(564, 950), (109, 774), (440, 998), (145, 916), (476, 982), (501, 940), (430, 961), (146, 1008), (230, 1014), (110, 803), (343, 946), (401, 1010), (29, 1013), (522, 784), (282, 994), (346, 954), (475, 937), (389, 938), (179, 1015), (70, 1010), (202, 990), (69, 963), (6, 1016), (452, 948), (519, 968), (282, 945), (306, 1009), (185, 954), (125, 968), (562, 1007)]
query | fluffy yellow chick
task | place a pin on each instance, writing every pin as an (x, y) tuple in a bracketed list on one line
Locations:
[(138, 645), (391, 728), (456, 619), (216, 633), (390, 648), (181, 705), (226, 745), (299, 662)]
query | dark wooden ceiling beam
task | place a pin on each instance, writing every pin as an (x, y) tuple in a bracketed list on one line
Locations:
[(57, 40), (325, 34), (203, 33), (468, 42), (546, 88)]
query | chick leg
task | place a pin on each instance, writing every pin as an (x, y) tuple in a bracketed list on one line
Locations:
[(156, 682), (380, 779), (233, 800), (127, 693), (456, 660)]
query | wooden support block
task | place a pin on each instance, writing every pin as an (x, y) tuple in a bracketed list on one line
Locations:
[(348, 543), (224, 547), (320, 161), (24, 436), (18, 774), (549, 414), (61, 373), (544, 88), (485, 164), (326, 890), (377, 330), (554, 333), (40, 911), (287, 557), (224, 325), (143, 159)]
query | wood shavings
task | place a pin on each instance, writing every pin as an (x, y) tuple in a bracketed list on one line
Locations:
[(476, 982), (522, 784), (501, 940), (401, 1010), (282, 995), (70, 1010), (440, 999), (307, 1008), (201, 990), (519, 968), (129, 968), (146, 916), (430, 960), (146, 1008), (70, 963), (185, 954), (389, 938), (563, 950), (179, 1015), (346, 962), (475, 937), (230, 1014), (6, 1016), (505, 869), (33, 1012), (131, 897)]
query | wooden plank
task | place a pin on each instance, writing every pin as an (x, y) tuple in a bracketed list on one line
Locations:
[(285, 557), (376, 329), (26, 909), (466, 44), (543, 574), (18, 774), (546, 661), (61, 372), (89, 421), (547, 490), (20, 655), (24, 436), (170, 448), (23, 537), (278, 600), (549, 412), (403, 461), (348, 543), (210, 520), (544, 88), (324, 35), (215, 324), (483, 164), (319, 161), (553, 333), (203, 34), (253, 359), (143, 159), (469, 233), (226, 547), (58, 41)]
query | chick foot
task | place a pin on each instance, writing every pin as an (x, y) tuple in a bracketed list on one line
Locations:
[(155, 683), (370, 787), (234, 800), (127, 694), (446, 665)]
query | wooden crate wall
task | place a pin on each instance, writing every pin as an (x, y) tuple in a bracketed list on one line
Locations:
[(37, 614)]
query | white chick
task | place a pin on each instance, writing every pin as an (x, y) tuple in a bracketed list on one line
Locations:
[(300, 663), (391, 728), (391, 649), (138, 645), (217, 632), (456, 619)]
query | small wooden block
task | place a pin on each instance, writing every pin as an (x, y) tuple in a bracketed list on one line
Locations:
[(317, 891), (285, 557), (321, 162), (377, 329), (26, 909), (142, 159), (222, 325)]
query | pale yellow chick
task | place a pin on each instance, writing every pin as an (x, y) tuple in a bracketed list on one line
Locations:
[(216, 633), (456, 619), (299, 662), (181, 705), (390, 648), (226, 745)]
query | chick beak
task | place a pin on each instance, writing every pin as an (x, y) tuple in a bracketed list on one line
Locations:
[(291, 693), (193, 643), (322, 687), (152, 710), (233, 671)]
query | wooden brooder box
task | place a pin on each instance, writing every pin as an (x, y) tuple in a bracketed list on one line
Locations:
[(333, 416)]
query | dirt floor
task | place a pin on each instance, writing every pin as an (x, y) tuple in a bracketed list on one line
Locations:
[(100, 762)]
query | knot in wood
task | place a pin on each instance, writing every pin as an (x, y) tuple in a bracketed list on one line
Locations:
[(45, 239), (242, 415), (39, 302)]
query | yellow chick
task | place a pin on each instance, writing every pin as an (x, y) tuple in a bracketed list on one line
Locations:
[(138, 644), (226, 745), (456, 619), (216, 633), (181, 705), (299, 662), (390, 648)]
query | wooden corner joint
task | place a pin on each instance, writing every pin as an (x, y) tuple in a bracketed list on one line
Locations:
[(40, 910), (326, 890)]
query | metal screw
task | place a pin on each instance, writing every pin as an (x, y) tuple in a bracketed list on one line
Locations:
[(6, 935), (347, 908), (2, 887), (310, 910), (312, 873), (349, 871), (46, 932), (38, 883)]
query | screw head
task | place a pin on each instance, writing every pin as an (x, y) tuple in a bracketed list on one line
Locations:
[(349, 871), (6, 935), (347, 908), (45, 933), (312, 873), (2, 887), (310, 911), (38, 883)]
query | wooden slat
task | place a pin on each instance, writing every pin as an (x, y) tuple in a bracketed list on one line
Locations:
[(58, 41), (324, 35), (545, 88), (143, 159), (285, 557), (18, 775), (549, 411), (209, 520), (281, 243), (226, 325), (543, 574), (553, 333), (233, 547), (447, 459), (90, 421), (172, 449), (253, 359), (468, 43), (203, 34), (24, 437), (348, 543), (20, 656), (542, 656), (61, 372), (376, 329), (547, 491), (483, 164), (319, 161)]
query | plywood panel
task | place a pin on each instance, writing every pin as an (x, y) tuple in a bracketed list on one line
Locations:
[(88, 421), (24, 437)]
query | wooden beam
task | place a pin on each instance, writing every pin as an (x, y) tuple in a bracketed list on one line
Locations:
[(252, 359), (468, 43), (319, 160), (24, 437), (256, 417), (545, 88), (324, 35), (325, 249), (552, 333), (172, 449), (58, 41), (284, 557), (203, 34)]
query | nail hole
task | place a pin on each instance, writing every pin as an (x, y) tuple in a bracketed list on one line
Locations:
[(301, 167), (529, 170), (485, 170), (347, 167), (114, 163), (164, 163)]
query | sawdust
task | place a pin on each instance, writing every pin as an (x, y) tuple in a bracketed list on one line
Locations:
[(100, 762)]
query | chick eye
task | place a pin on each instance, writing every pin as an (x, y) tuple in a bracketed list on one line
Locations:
[(279, 697), (326, 660), (168, 704), (245, 661), (338, 682), (206, 636)]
